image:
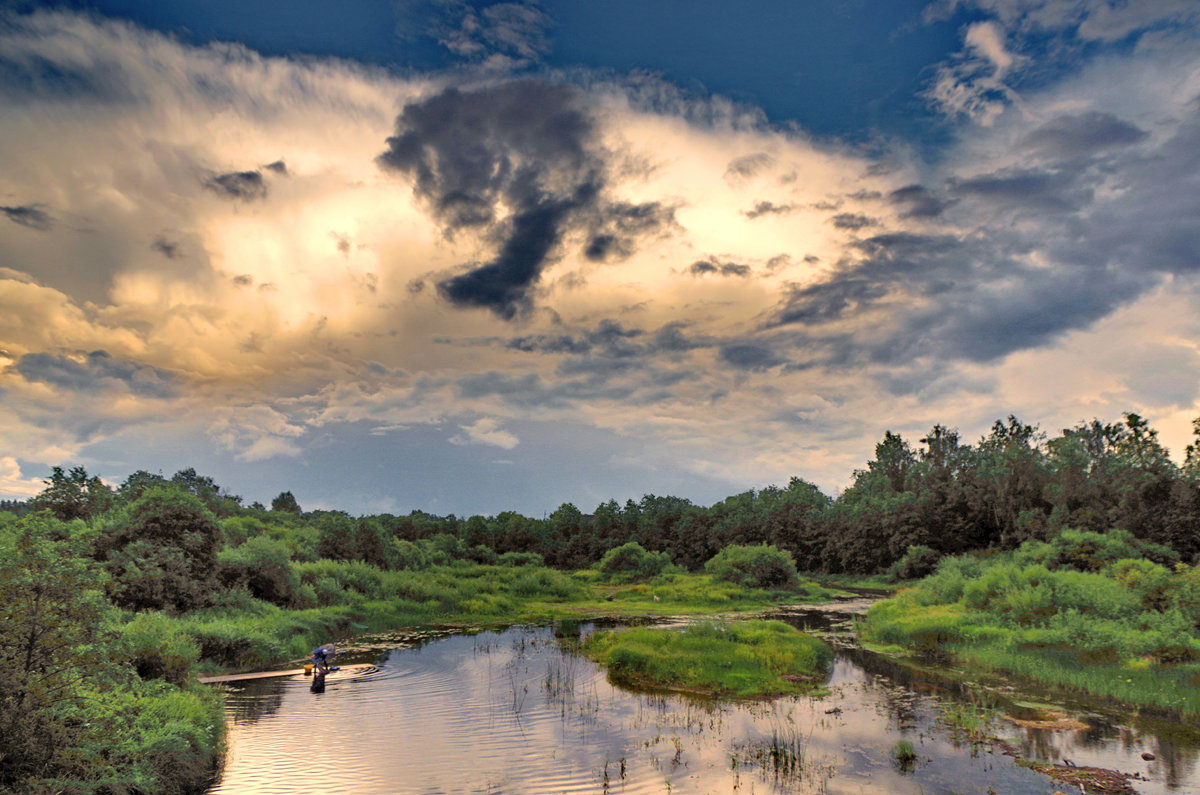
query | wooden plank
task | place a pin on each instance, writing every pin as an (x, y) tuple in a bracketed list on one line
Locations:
[(210, 680)]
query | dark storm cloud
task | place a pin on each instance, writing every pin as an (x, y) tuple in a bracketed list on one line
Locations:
[(622, 224), (750, 356), (712, 265), (975, 298), (98, 372), (827, 301), (919, 201), (530, 390), (29, 215), (1026, 190), (1085, 134), (608, 338), (527, 146), (768, 208), (279, 167), (245, 185), (852, 221), (611, 340)]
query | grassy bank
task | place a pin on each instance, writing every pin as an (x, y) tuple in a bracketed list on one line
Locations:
[(1103, 613), (247, 633), (744, 659)]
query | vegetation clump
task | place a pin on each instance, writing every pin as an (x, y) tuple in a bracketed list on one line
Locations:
[(761, 566), (631, 561), (742, 659), (1093, 610)]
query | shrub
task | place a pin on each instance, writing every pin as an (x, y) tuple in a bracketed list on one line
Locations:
[(161, 552), (263, 567), (410, 556), (919, 561), (633, 561), (521, 559), (762, 566), (157, 648)]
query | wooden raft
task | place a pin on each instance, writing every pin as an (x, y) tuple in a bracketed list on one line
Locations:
[(210, 680)]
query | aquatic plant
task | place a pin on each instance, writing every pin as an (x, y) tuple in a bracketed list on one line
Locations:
[(904, 753)]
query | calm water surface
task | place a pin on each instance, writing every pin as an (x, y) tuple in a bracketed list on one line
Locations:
[(516, 712)]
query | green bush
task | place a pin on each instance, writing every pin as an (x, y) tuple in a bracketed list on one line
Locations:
[(633, 562), (521, 559), (263, 567), (919, 561), (762, 566), (161, 552), (157, 648)]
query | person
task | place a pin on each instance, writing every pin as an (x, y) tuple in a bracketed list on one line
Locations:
[(322, 657)]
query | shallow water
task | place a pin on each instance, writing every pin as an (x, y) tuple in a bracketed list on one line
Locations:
[(516, 712)]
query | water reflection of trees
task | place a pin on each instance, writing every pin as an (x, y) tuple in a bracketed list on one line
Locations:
[(247, 702)]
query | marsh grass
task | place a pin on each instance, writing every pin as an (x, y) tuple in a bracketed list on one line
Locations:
[(904, 754), (1116, 626), (744, 659)]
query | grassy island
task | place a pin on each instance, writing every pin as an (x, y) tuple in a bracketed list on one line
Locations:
[(743, 659)]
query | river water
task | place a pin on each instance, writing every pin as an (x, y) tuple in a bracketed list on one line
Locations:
[(515, 711)]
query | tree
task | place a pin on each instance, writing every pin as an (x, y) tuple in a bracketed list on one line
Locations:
[(74, 495), (285, 503), (161, 552), (50, 613)]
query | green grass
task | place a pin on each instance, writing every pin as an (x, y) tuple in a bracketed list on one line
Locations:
[(1119, 627), (743, 659), (356, 598)]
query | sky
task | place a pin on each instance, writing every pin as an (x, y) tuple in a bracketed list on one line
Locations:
[(468, 257)]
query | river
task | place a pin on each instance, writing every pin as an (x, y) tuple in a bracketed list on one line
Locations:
[(516, 711)]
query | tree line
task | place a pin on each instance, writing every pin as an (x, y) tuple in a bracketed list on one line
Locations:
[(940, 496)]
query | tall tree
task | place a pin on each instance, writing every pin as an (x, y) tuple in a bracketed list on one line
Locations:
[(74, 495), (50, 615)]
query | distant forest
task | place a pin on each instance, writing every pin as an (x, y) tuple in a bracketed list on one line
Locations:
[(939, 497)]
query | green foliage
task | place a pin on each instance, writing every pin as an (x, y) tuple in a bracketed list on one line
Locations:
[(263, 567), (520, 559), (631, 561), (744, 659), (161, 552), (763, 566), (285, 502), (51, 608), (73, 495), (1074, 600), (919, 561), (157, 648)]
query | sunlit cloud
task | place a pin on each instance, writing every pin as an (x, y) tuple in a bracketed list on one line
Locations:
[(276, 250)]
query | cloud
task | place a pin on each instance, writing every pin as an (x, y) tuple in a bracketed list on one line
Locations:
[(519, 164), (1083, 134), (15, 484), (768, 208), (712, 265), (501, 36), (256, 433), (29, 215), (244, 185), (486, 431), (852, 221), (747, 166), (97, 372), (167, 248), (919, 201)]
